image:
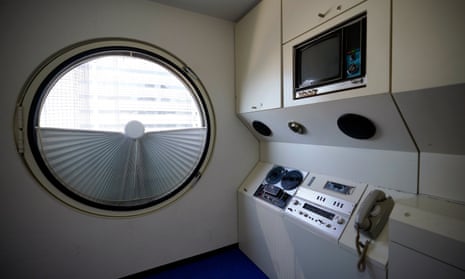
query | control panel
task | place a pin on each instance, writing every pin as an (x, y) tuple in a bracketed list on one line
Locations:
[(331, 202), (325, 204), (273, 194), (328, 221)]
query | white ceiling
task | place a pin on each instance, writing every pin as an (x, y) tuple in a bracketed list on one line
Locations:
[(231, 10)]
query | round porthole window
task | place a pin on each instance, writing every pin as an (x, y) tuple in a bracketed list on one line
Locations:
[(115, 127)]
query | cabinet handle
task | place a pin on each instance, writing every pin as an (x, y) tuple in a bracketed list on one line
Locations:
[(322, 15)]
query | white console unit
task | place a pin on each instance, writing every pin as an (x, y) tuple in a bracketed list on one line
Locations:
[(313, 235), (427, 239), (262, 235)]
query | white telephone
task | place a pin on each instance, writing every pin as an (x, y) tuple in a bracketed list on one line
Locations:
[(372, 215)]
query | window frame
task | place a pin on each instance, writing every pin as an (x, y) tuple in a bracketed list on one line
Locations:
[(32, 95)]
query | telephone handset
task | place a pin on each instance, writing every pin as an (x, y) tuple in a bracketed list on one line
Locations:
[(370, 220), (374, 213)]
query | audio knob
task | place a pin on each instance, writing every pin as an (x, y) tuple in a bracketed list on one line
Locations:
[(340, 221)]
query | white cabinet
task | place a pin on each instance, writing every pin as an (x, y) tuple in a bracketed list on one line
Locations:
[(427, 239), (261, 232), (378, 42), (428, 44), (299, 16), (406, 261), (263, 237), (258, 58)]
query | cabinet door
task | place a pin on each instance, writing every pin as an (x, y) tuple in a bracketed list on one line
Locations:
[(404, 262), (428, 43), (258, 58), (300, 16)]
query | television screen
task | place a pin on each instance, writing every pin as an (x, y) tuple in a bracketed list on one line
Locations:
[(318, 62)]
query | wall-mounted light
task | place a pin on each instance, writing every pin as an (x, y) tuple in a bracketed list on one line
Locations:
[(296, 127)]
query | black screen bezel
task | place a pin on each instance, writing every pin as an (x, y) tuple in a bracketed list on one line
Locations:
[(360, 19), (298, 50)]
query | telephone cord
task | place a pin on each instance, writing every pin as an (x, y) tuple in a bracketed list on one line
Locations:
[(362, 251)]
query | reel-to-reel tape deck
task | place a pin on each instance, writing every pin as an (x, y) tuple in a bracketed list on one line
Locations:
[(279, 185)]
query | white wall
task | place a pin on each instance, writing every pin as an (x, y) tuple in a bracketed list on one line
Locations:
[(41, 237)]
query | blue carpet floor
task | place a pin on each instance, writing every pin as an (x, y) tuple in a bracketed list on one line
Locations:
[(225, 263)]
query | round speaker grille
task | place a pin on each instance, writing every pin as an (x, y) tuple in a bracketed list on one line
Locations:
[(356, 126), (261, 128)]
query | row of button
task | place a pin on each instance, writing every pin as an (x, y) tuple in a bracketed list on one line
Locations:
[(338, 204), (318, 221), (335, 203)]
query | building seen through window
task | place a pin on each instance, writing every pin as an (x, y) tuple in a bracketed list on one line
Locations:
[(106, 93)]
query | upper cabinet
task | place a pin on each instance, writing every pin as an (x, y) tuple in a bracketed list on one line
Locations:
[(428, 44), (258, 58), (299, 16), (377, 54)]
